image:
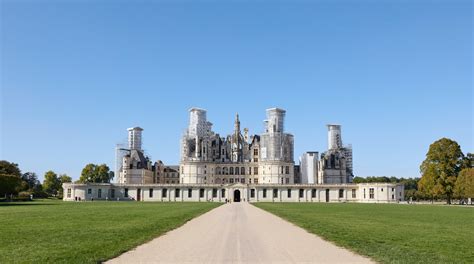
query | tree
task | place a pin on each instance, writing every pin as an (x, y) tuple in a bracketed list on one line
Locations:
[(93, 173), (31, 179), (51, 183), (9, 168), (440, 169), (465, 184), (9, 184), (63, 178)]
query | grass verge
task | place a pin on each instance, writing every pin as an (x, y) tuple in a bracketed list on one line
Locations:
[(86, 232), (388, 233)]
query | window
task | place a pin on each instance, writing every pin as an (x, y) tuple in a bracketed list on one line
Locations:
[(89, 191), (364, 193), (371, 193), (201, 193), (255, 152), (264, 193), (341, 193), (69, 193), (301, 193), (190, 193), (287, 170), (393, 196), (112, 193), (165, 193), (242, 171), (223, 193), (242, 180), (289, 193), (231, 180), (250, 170), (392, 189), (255, 159), (231, 170), (125, 193), (382, 190), (237, 171), (177, 193), (150, 193), (255, 170), (99, 193), (252, 193), (287, 180), (214, 193), (275, 193), (255, 181), (313, 193), (353, 193)]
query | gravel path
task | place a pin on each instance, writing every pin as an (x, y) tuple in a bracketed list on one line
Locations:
[(239, 233)]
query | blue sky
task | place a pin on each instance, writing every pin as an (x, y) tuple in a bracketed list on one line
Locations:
[(397, 75)]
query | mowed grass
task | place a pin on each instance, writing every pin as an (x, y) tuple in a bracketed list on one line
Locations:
[(388, 233), (85, 232)]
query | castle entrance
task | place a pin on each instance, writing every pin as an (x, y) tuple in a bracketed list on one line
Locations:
[(236, 196)]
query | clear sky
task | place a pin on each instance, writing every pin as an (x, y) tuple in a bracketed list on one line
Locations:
[(397, 75)]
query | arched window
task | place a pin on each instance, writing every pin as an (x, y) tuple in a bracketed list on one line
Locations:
[(231, 170), (225, 171), (218, 170), (237, 171), (242, 170)]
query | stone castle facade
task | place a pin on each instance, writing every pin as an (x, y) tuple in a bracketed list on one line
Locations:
[(208, 158), (237, 167)]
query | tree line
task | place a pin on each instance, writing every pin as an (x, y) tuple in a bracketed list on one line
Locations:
[(446, 173), (14, 183)]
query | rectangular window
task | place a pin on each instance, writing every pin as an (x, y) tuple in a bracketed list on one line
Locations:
[(214, 193), (125, 193), (190, 193), (150, 193), (255, 152), (353, 193), (382, 189), (252, 193), (242, 180), (287, 180), (264, 193), (393, 196), (201, 193), (301, 193), (89, 191), (99, 193), (231, 180), (69, 193), (255, 181), (112, 193), (371, 193), (177, 193), (364, 193), (275, 193), (250, 170), (287, 170), (223, 193), (255, 170), (313, 193), (341, 193), (165, 193), (289, 193)]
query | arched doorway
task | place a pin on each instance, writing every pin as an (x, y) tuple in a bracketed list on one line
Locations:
[(236, 196)]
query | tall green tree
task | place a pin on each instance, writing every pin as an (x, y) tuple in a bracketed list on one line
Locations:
[(9, 168), (93, 173), (51, 183), (465, 184), (440, 169), (63, 178), (31, 179)]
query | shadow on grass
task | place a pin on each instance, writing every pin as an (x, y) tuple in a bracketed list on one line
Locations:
[(4, 203)]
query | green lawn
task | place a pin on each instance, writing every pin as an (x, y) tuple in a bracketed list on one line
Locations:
[(389, 233), (86, 232)]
